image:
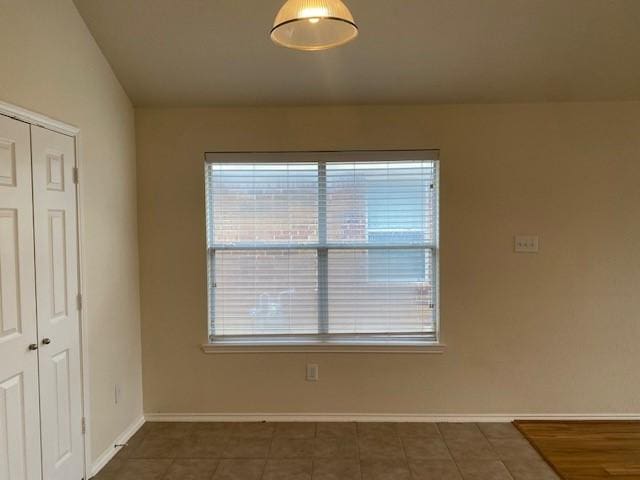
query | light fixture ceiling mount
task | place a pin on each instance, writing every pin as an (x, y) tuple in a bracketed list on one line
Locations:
[(313, 25)]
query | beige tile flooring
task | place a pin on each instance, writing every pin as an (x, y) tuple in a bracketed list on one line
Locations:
[(327, 451)]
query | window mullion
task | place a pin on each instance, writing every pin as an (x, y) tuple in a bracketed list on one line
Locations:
[(212, 292), (323, 253), (211, 257)]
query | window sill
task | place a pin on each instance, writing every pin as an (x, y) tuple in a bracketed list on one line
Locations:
[(410, 347)]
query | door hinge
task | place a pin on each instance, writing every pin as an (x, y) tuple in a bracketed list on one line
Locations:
[(79, 301), (76, 178), (84, 425)]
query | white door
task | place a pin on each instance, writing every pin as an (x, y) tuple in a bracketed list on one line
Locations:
[(54, 211), (19, 410)]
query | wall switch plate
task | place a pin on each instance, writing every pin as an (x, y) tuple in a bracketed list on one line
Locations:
[(312, 372), (526, 244)]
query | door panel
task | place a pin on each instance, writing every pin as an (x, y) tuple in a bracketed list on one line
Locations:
[(19, 409), (54, 207), (57, 264), (12, 415), (63, 404), (10, 321)]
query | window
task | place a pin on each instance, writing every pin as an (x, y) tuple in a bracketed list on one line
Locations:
[(389, 221), (335, 247)]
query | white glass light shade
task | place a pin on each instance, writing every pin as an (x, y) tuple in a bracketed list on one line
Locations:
[(313, 25)]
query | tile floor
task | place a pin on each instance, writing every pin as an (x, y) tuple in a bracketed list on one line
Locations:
[(327, 451)]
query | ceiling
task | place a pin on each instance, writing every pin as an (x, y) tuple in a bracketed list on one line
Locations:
[(218, 52)]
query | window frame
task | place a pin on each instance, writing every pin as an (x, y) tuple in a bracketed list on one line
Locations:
[(323, 341)]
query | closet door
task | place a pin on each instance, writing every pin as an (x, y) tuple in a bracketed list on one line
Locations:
[(19, 409), (54, 210)]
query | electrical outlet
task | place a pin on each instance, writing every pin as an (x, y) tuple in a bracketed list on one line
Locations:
[(312, 372), (526, 244)]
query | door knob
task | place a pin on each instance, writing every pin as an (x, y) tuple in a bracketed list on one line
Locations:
[(46, 341), (33, 346)]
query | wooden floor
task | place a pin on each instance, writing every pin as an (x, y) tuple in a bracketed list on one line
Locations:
[(587, 450)]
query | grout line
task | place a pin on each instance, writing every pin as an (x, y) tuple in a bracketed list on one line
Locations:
[(495, 451), (453, 459), (226, 439), (164, 474), (358, 450), (488, 441), (404, 450), (215, 470), (508, 470), (266, 460), (313, 452)]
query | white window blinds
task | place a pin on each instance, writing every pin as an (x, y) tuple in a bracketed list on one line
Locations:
[(322, 246)]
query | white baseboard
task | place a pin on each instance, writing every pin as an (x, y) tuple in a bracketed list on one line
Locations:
[(111, 451), (373, 417)]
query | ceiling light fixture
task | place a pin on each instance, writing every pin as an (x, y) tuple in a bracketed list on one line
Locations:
[(313, 25)]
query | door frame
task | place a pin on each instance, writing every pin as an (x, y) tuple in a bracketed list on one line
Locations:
[(33, 118)]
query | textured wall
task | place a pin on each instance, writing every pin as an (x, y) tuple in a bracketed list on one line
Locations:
[(555, 332), (50, 64)]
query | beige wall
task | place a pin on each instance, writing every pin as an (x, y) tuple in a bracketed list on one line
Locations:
[(555, 332), (49, 63)]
